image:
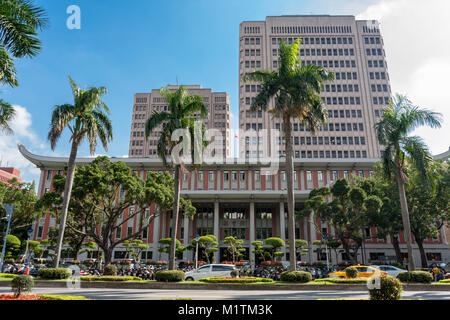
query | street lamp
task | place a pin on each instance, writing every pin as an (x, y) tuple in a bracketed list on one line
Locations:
[(197, 238), (9, 216)]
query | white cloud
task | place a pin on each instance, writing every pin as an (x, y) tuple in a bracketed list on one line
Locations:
[(415, 34), (9, 153)]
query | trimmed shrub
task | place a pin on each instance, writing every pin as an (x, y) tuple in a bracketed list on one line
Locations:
[(61, 297), (235, 280), (351, 272), (170, 276), (110, 270), (445, 281), (8, 275), (340, 281), (390, 289), (54, 273), (117, 279), (22, 284), (234, 273), (415, 277), (296, 276)]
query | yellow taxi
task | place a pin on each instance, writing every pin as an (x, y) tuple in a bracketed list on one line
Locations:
[(363, 272)]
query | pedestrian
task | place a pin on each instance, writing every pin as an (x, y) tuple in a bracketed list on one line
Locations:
[(435, 271)]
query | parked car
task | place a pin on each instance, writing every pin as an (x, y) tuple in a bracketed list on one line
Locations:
[(390, 270), (210, 271), (363, 272)]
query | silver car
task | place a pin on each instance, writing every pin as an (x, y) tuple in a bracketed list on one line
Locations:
[(390, 270), (210, 271)]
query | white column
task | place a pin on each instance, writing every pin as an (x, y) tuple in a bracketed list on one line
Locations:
[(444, 236), (252, 233), (156, 224), (186, 236), (282, 225), (216, 229)]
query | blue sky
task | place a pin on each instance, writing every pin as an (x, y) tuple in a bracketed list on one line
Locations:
[(135, 46)]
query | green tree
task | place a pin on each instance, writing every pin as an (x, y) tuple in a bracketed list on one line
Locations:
[(12, 246), (24, 200), (166, 244), (300, 248), (89, 247), (400, 118), (234, 247), (20, 24), (428, 204), (348, 213), (87, 118), (274, 244), (7, 114), (209, 244), (259, 250), (296, 89), (389, 219), (180, 116)]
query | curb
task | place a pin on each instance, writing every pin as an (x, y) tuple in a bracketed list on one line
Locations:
[(216, 286)]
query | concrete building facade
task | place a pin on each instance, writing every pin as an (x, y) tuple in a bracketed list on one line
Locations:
[(244, 201), (145, 104), (353, 50)]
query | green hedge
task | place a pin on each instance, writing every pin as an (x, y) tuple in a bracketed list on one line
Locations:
[(235, 280), (54, 273), (109, 278), (8, 275), (341, 281), (415, 277), (61, 297), (296, 276), (390, 289), (170, 276), (445, 281)]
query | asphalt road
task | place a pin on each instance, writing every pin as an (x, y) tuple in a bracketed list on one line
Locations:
[(142, 294)]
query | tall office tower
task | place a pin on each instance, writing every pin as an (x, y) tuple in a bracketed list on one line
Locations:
[(353, 50), (145, 104)]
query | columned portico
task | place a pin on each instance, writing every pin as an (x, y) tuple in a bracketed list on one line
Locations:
[(216, 228), (252, 232)]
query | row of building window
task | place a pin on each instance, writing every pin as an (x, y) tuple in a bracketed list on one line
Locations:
[(311, 29), (327, 52)]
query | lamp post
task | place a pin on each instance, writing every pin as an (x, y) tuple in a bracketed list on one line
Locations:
[(9, 216), (197, 238)]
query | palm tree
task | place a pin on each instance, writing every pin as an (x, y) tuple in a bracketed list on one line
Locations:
[(181, 109), (296, 90), (400, 118), (7, 113), (86, 118), (20, 22)]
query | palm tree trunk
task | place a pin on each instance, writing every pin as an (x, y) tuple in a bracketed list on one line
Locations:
[(176, 209), (290, 191), (66, 200), (398, 253), (406, 223)]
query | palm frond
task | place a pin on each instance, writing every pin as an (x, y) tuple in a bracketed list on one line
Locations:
[(7, 114), (418, 154), (7, 69)]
